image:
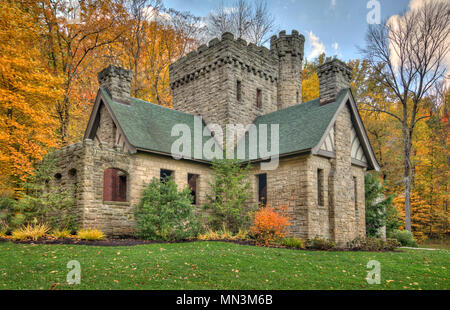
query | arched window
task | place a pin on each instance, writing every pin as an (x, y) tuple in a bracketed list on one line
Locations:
[(114, 185)]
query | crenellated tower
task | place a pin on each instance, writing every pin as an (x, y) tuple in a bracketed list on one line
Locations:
[(230, 81), (290, 51)]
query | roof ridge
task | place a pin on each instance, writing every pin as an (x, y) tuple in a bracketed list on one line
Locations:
[(148, 102)]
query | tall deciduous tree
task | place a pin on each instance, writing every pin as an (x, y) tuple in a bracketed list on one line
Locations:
[(74, 30), (408, 54), (27, 93), (250, 21)]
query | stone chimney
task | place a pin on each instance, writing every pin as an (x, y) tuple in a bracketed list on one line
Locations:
[(334, 76), (117, 82)]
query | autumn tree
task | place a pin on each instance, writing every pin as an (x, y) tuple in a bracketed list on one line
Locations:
[(73, 31), (310, 79), (28, 91), (408, 54), (250, 21)]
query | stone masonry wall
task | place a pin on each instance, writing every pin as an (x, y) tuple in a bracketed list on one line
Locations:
[(106, 132), (288, 186), (204, 82), (117, 218), (343, 223), (334, 76), (289, 50), (117, 82), (293, 184), (69, 162)]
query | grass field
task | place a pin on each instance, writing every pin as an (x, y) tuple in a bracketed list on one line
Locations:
[(216, 265)]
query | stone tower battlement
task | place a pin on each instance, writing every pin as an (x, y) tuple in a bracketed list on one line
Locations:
[(256, 59), (293, 44), (232, 81), (290, 50)]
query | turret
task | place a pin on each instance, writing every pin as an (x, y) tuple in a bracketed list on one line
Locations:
[(290, 51)]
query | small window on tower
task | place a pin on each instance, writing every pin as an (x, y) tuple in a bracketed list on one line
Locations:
[(238, 91), (258, 98)]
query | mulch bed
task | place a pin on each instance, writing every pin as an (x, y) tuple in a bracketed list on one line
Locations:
[(134, 242), (116, 242)]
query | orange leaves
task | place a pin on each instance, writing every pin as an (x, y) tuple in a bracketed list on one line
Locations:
[(27, 94), (270, 225)]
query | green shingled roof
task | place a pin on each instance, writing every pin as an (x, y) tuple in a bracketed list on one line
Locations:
[(148, 126), (300, 127)]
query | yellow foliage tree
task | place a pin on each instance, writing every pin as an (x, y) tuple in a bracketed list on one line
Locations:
[(420, 214), (27, 95)]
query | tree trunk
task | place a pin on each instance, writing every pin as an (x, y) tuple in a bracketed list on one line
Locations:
[(407, 174), (63, 116)]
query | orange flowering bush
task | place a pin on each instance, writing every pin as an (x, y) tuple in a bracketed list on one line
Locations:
[(269, 224)]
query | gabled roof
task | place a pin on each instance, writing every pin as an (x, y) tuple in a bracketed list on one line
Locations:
[(302, 128), (146, 126)]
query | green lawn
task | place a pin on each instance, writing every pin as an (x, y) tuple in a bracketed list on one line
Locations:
[(214, 265)]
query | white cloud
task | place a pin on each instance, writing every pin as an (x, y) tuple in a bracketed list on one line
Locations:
[(333, 3), (155, 15), (317, 47), (395, 19)]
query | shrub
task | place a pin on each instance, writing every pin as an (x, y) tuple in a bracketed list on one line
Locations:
[(6, 214), (292, 242), (4, 228), (373, 244), (164, 213), (320, 244), (405, 238), (19, 235), (41, 202), (91, 234), (241, 235), (269, 225), (223, 235), (392, 244), (230, 189), (379, 210), (210, 235), (61, 234), (34, 232)]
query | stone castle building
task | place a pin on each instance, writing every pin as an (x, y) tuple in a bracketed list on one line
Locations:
[(324, 150)]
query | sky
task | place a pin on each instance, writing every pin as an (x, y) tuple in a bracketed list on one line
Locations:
[(336, 27)]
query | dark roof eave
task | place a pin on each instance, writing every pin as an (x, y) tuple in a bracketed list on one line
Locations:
[(284, 155), (209, 162), (144, 150)]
